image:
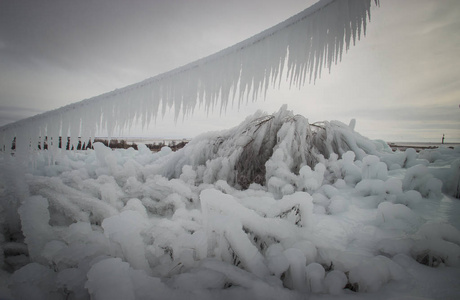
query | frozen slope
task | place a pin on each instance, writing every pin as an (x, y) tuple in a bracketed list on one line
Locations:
[(274, 208)]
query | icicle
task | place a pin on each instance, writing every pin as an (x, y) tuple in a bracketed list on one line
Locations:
[(307, 42)]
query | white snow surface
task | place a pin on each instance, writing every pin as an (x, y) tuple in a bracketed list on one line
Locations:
[(295, 50), (274, 208)]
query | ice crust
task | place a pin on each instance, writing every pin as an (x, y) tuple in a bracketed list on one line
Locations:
[(273, 208)]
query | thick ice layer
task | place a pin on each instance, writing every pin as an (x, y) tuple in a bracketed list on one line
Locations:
[(275, 208)]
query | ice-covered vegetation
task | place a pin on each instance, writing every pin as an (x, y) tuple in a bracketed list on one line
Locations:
[(274, 208)]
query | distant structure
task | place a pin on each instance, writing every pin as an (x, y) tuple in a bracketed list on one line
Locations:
[(442, 138)]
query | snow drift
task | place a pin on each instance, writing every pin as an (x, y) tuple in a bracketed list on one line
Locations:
[(274, 208)]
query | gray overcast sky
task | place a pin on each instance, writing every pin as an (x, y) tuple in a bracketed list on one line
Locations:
[(401, 82)]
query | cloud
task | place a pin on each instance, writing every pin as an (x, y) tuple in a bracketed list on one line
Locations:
[(404, 72), (10, 114), (58, 51)]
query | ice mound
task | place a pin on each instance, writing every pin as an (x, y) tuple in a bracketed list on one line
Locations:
[(270, 149), (273, 208)]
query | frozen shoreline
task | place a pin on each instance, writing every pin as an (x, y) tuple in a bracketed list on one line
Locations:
[(270, 209), (402, 146)]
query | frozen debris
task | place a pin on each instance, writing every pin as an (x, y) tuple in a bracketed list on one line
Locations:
[(34, 281), (309, 219), (372, 273), (35, 219), (125, 230), (335, 282), (315, 277)]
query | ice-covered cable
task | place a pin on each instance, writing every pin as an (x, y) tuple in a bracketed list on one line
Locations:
[(296, 50)]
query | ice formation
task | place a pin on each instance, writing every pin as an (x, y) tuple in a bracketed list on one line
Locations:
[(275, 208), (296, 50)]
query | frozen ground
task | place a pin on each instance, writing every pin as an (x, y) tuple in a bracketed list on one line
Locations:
[(272, 209)]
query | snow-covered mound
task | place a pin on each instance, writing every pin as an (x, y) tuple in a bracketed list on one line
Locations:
[(274, 208), (265, 148)]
